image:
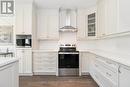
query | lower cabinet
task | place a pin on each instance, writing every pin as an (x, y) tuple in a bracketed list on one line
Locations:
[(104, 72), (45, 63), (9, 75), (84, 63), (25, 61), (124, 76)]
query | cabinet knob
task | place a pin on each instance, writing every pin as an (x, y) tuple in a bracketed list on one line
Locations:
[(108, 74)]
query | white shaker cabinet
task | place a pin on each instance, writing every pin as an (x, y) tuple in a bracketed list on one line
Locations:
[(123, 15), (101, 17), (84, 63), (19, 19), (112, 17), (48, 24), (83, 25), (104, 72), (106, 17), (45, 63), (23, 19), (9, 75), (25, 61), (124, 76)]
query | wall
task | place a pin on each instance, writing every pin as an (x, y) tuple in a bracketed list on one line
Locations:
[(119, 45), (7, 20), (65, 38)]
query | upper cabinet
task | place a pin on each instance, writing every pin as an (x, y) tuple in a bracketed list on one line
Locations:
[(123, 15), (48, 24), (86, 23), (23, 18), (112, 17), (106, 17)]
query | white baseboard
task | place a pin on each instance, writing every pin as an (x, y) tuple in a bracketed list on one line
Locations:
[(85, 73), (25, 74), (44, 73)]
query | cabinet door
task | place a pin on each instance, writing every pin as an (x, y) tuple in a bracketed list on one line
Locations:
[(9, 75), (123, 14), (101, 17), (85, 62), (48, 24), (111, 16), (19, 19), (91, 28), (81, 24), (27, 17), (27, 63), (42, 25), (124, 77), (53, 30), (19, 55)]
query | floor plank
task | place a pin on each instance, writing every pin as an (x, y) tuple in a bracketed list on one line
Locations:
[(53, 81)]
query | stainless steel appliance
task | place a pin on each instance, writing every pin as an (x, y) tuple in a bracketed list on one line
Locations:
[(68, 19), (68, 61), (23, 41)]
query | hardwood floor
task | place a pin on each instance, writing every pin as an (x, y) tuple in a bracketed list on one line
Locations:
[(53, 81)]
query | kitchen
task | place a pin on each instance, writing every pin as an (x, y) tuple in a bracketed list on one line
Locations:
[(83, 43)]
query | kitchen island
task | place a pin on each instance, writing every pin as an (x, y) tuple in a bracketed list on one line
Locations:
[(9, 72)]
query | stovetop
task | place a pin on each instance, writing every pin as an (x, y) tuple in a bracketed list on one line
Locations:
[(71, 48)]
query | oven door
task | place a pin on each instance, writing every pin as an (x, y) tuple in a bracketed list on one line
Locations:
[(68, 64)]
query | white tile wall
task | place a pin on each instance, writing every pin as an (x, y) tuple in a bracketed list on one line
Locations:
[(116, 45)]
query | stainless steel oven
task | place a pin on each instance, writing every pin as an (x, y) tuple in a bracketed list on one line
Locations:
[(68, 62)]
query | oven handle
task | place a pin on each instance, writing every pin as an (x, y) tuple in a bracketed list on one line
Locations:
[(68, 53)]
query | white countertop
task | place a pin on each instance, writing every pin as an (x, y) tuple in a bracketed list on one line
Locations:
[(7, 60), (119, 58), (45, 50)]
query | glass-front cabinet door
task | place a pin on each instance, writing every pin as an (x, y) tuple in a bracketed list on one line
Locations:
[(91, 25)]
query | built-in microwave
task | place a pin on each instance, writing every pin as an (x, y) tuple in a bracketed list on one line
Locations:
[(23, 42)]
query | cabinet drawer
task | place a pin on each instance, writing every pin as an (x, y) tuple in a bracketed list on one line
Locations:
[(112, 76), (104, 82), (44, 64), (42, 68), (108, 64), (44, 60)]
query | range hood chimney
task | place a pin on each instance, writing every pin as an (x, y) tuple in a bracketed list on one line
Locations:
[(68, 19)]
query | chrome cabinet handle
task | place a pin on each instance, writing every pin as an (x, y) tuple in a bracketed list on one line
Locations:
[(108, 74)]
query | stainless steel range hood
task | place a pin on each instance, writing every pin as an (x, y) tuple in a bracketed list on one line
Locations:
[(68, 20)]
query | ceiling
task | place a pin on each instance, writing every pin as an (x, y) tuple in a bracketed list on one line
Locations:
[(65, 3)]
